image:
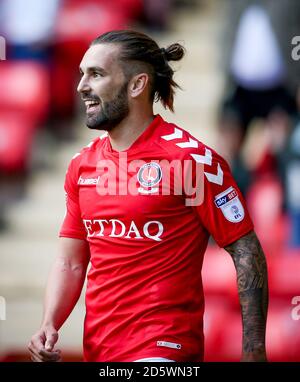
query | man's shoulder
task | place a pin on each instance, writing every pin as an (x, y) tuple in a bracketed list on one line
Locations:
[(180, 143), (87, 150)]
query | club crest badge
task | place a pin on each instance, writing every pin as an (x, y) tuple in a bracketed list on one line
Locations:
[(230, 205), (149, 175)]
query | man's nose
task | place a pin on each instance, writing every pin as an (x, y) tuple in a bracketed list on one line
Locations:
[(83, 85)]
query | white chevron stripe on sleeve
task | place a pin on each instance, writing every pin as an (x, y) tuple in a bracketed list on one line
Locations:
[(215, 178), (205, 159), (190, 143), (177, 134)]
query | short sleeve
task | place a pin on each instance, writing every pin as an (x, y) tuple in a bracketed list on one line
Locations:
[(222, 211), (72, 225)]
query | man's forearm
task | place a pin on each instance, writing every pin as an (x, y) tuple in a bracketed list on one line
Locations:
[(250, 264), (63, 290)]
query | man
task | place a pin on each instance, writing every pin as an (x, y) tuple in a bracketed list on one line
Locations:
[(144, 295)]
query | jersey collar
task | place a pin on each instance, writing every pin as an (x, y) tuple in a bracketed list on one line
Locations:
[(147, 136)]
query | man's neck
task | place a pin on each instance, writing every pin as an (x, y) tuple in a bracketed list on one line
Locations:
[(127, 132)]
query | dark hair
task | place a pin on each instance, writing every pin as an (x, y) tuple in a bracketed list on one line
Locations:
[(147, 56)]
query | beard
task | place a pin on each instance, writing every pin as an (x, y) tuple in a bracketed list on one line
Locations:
[(111, 113)]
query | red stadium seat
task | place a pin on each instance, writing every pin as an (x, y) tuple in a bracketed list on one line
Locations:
[(283, 332), (230, 348), (218, 274), (222, 330), (223, 333), (24, 102), (265, 205), (24, 88), (92, 18), (16, 135), (222, 319), (284, 275)]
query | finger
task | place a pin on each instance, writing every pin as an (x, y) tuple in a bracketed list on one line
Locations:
[(34, 348), (44, 356), (37, 344), (49, 356), (51, 339), (34, 358)]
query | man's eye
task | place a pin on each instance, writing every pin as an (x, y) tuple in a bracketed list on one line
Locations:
[(96, 75)]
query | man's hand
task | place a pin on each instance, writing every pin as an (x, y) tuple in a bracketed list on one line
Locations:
[(41, 345)]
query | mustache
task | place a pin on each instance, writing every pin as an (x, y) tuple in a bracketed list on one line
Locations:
[(90, 98)]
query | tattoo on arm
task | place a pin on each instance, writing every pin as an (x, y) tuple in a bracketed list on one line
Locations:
[(251, 268)]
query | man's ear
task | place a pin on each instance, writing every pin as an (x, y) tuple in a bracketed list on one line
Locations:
[(137, 84)]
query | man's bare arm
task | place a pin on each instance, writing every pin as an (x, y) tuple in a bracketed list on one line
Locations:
[(63, 289), (252, 279)]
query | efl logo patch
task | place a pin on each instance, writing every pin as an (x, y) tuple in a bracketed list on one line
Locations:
[(230, 205)]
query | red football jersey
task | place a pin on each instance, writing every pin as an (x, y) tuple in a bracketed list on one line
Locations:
[(147, 214)]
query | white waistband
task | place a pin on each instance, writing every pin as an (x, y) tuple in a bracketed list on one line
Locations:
[(154, 359)]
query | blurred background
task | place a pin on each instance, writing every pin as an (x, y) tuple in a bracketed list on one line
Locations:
[(240, 95)]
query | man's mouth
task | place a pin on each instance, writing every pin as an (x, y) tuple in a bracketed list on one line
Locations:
[(92, 105)]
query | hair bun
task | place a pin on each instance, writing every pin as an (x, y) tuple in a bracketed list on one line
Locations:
[(173, 52)]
